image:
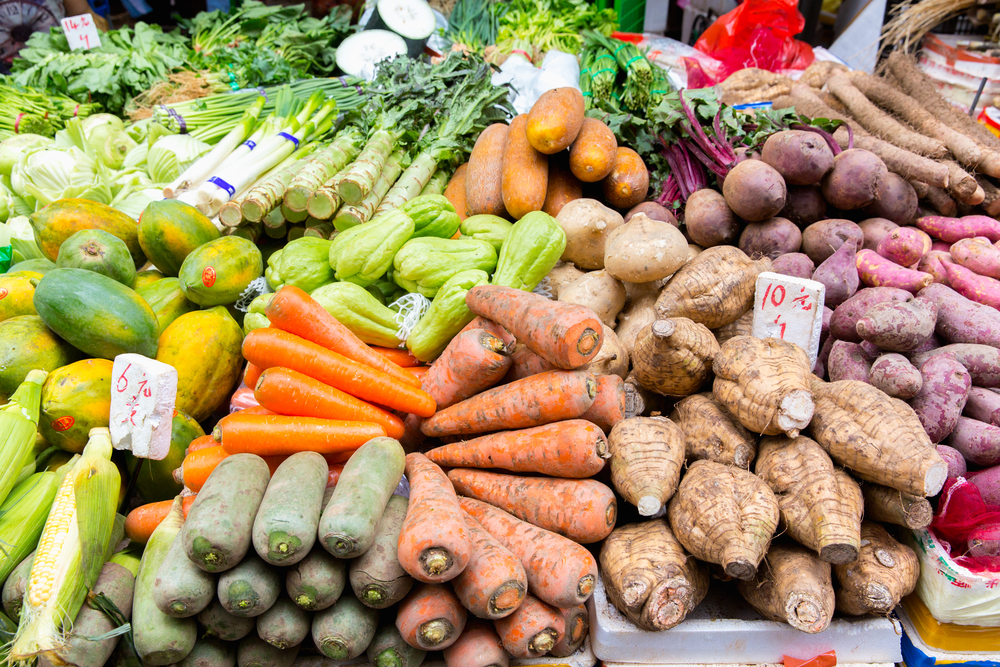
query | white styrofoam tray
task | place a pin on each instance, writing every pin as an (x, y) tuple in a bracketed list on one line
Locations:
[(724, 629), (940, 655)]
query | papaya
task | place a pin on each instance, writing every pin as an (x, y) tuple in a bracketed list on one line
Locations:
[(16, 294), (26, 344), (169, 230), (75, 399), (205, 348), (155, 481), (167, 301), (219, 271), (149, 277), (98, 251), (64, 217), (38, 266), (95, 314)]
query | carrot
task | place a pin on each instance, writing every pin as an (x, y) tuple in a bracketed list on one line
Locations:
[(575, 448), (560, 571), (197, 466), (294, 311), (273, 347), (479, 646), (525, 363), (536, 400), (430, 617), (532, 630), (584, 510), (250, 375), (289, 392), (616, 400), (201, 442), (419, 371), (494, 583), (400, 357), (334, 475), (577, 622), (412, 439), (473, 361), (434, 544), (567, 334), (270, 435), (492, 327), (143, 520)]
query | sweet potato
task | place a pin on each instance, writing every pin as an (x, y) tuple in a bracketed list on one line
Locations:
[(794, 587), (643, 250), (848, 361), (804, 205), (555, 120), (961, 320), (983, 405), (802, 158), (951, 230), (977, 254), (525, 177), (592, 154), (904, 245), (988, 482), (770, 238), (855, 179), (877, 271), (897, 201), (484, 177), (942, 396), (821, 239), (899, 326), (587, 224), (711, 433), (885, 572), (956, 462), (674, 356), (708, 219), (933, 263), (980, 289), (843, 324), (795, 264), (977, 441), (982, 362), (628, 181), (896, 376), (839, 274), (875, 229), (755, 190), (599, 291)]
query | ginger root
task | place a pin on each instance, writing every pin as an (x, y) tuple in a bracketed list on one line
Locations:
[(884, 573), (794, 587), (711, 433), (674, 357), (646, 458)]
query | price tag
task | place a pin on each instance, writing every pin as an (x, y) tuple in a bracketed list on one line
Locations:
[(143, 392), (81, 33), (791, 309)]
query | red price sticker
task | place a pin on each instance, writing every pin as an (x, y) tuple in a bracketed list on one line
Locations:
[(81, 33)]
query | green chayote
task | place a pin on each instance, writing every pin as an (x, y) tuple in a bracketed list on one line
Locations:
[(304, 263), (358, 310), (432, 215), (423, 265), (256, 317), (535, 244), (362, 254), (447, 315), (485, 227)]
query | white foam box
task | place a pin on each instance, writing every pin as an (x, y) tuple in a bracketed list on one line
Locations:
[(724, 629), (922, 653)]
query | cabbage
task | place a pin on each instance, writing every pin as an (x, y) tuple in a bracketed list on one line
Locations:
[(43, 175), (22, 238), (111, 144), (136, 157), (171, 154), (11, 149), (102, 119)]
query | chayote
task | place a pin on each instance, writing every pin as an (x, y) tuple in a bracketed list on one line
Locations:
[(535, 244), (424, 265), (304, 263), (256, 317), (447, 315), (432, 215), (362, 254), (485, 227), (358, 310)]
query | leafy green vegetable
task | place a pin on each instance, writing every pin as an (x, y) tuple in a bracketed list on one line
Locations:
[(551, 24)]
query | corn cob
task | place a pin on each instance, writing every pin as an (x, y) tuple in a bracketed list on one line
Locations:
[(18, 425)]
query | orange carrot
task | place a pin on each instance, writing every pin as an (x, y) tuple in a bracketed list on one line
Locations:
[(525, 363), (294, 311), (270, 435), (473, 361), (250, 375), (577, 622), (430, 617), (566, 334), (413, 438), (272, 347), (288, 392), (493, 584), (574, 448), (400, 357), (533, 401), (560, 571), (143, 520), (434, 544), (197, 466), (479, 646), (334, 475), (491, 326), (616, 400), (532, 630), (202, 442), (419, 371)]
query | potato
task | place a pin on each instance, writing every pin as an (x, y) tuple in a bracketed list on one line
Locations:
[(644, 250), (855, 180), (599, 291), (592, 155), (801, 157), (804, 205), (874, 230), (555, 120), (561, 275), (770, 238), (654, 211), (635, 291), (755, 190), (587, 223), (612, 359), (897, 201), (708, 219), (628, 182), (821, 239)]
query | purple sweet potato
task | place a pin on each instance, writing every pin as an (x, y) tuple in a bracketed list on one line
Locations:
[(823, 359), (827, 317), (843, 324), (988, 482), (871, 350), (974, 286), (877, 271), (961, 320), (804, 205), (895, 375), (933, 263), (904, 246), (982, 361), (931, 343), (983, 405), (848, 362), (942, 397), (951, 230), (978, 255), (821, 239), (984, 540), (802, 158), (875, 229), (956, 462), (794, 264), (708, 219), (977, 441), (899, 326), (754, 190), (839, 274), (855, 180), (771, 238), (897, 201), (940, 246)]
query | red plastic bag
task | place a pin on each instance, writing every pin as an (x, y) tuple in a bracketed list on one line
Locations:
[(758, 33), (962, 517)]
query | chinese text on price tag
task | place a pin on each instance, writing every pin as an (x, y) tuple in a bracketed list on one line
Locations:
[(143, 392), (791, 309), (81, 33)]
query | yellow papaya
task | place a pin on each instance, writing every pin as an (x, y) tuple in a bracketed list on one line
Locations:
[(167, 301), (156, 478), (26, 344), (64, 217), (144, 278), (217, 273), (75, 399), (16, 294)]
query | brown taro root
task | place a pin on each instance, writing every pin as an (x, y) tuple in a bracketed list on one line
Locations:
[(896, 507), (711, 433), (764, 384), (646, 458), (877, 437), (724, 515), (649, 577), (741, 327), (821, 507), (714, 289), (884, 573), (793, 587), (674, 356)]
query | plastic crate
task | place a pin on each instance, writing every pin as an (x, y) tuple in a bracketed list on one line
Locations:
[(631, 13)]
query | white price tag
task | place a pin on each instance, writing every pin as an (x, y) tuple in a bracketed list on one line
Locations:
[(81, 33), (791, 309), (143, 393)]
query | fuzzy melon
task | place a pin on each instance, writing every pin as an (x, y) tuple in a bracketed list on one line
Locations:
[(156, 478), (169, 230), (217, 273), (98, 251), (75, 399), (167, 300), (64, 217), (26, 344), (16, 295)]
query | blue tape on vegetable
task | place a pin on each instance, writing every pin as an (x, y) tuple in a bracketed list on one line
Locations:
[(290, 138), (251, 144), (222, 184), (179, 118)]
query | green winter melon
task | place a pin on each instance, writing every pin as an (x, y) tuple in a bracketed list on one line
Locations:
[(98, 251), (169, 230), (156, 478), (219, 271), (167, 301)]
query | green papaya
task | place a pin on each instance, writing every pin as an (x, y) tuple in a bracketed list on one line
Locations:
[(156, 478), (26, 344), (98, 251), (167, 300), (169, 230), (218, 272)]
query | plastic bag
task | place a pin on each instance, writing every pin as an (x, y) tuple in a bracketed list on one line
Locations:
[(758, 33), (961, 517)]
